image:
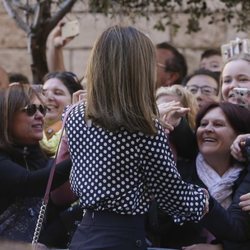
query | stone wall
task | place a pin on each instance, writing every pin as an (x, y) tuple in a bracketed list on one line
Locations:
[(15, 58)]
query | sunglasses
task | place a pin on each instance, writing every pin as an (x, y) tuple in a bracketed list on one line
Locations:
[(31, 109)]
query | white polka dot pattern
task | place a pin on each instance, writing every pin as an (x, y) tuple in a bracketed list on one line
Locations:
[(120, 171)]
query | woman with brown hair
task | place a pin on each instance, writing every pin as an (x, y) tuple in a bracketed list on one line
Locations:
[(119, 150), (24, 167), (225, 225)]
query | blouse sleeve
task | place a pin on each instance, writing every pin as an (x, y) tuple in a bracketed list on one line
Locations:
[(185, 202)]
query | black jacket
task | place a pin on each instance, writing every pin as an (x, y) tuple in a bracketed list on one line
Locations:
[(25, 174), (230, 226)]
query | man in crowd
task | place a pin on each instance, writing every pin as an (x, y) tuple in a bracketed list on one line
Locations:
[(171, 65)]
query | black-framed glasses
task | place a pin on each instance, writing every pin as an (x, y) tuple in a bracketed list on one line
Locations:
[(205, 90), (31, 109)]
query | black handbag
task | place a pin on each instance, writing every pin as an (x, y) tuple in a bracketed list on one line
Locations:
[(18, 221)]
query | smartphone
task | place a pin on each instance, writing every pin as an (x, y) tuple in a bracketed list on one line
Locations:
[(245, 147), (242, 97), (241, 92), (70, 29)]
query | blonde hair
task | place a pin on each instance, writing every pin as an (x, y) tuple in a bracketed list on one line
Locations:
[(186, 99), (244, 57), (121, 76)]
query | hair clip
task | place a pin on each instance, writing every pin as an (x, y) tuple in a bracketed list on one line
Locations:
[(235, 48)]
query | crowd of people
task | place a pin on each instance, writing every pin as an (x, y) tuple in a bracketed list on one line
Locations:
[(158, 158)]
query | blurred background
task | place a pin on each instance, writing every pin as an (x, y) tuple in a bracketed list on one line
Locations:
[(13, 40)]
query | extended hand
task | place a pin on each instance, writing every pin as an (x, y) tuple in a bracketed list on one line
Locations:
[(245, 202), (236, 149), (171, 114)]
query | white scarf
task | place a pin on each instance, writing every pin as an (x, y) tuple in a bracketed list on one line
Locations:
[(220, 187)]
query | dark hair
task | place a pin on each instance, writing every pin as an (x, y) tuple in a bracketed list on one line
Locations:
[(175, 64), (210, 52), (237, 116), (11, 100), (69, 80), (18, 77), (206, 72)]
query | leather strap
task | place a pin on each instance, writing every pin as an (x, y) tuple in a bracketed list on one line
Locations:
[(53, 167)]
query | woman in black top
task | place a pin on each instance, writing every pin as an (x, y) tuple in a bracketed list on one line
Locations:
[(120, 153), (24, 168), (225, 226)]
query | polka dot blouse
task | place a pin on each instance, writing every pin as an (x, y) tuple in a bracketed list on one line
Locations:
[(121, 171)]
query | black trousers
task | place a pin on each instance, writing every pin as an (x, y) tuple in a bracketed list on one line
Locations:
[(109, 231)]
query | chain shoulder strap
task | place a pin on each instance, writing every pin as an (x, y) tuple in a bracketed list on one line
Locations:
[(39, 223), (43, 208)]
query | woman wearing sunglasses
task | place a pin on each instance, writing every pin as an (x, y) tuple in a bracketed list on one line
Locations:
[(24, 168)]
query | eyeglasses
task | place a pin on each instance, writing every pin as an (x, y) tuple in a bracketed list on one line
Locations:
[(205, 90), (31, 109)]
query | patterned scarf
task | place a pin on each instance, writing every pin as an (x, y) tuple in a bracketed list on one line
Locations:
[(220, 187)]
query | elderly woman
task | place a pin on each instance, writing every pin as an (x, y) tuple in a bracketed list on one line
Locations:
[(217, 127), (24, 168), (218, 124)]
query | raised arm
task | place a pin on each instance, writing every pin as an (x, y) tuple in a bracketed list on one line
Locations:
[(55, 45)]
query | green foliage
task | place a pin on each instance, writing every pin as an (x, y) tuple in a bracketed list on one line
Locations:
[(167, 11), (196, 10)]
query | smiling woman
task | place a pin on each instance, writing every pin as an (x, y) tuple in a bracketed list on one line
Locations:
[(23, 129), (58, 89), (23, 124), (236, 72), (24, 168), (217, 125)]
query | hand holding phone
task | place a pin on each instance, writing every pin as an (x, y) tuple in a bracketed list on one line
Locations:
[(242, 96), (70, 29), (241, 92)]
